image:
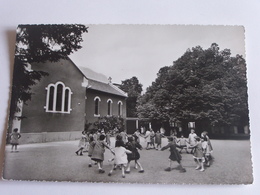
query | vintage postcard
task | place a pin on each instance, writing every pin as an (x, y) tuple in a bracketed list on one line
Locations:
[(150, 104)]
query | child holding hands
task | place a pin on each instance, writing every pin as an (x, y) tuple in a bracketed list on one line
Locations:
[(174, 156), (98, 152)]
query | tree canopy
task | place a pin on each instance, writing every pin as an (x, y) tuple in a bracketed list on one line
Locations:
[(40, 43), (134, 90), (202, 85)]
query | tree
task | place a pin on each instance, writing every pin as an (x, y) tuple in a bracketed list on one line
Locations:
[(207, 86), (134, 90), (40, 43)]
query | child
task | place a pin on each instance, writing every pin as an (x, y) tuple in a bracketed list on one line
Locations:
[(183, 144), (147, 137), (152, 139), (198, 154), (133, 146), (90, 149), (209, 151), (158, 139), (15, 136), (192, 139), (123, 135), (82, 143), (137, 135), (174, 156), (98, 152), (108, 135), (120, 153), (206, 150)]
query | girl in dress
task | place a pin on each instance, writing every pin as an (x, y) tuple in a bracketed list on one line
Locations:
[(208, 149), (133, 146), (98, 152), (183, 143), (137, 135), (82, 143), (174, 156), (15, 136), (198, 154), (192, 140), (152, 135), (120, 158), (158, 139), (147, 137), (90, 149)]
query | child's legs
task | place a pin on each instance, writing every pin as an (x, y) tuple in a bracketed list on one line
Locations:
[(12, 146), (148, 143), (111, 171), (180, 164), (128, 166), (197, 162), (15, 147), (139, 164), (123, 170), (170, 163), (100, 164)]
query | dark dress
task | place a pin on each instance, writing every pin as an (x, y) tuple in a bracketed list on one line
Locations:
[(132, 146), (98, 150), (175, 155)]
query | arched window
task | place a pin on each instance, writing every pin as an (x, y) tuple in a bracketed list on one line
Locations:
[(58, 99), (120, 104), (97, 100), (109, 107)]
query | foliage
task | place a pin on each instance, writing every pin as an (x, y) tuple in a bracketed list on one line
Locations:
[(202, 85), (134, 90), (40, 43), (107, 123)]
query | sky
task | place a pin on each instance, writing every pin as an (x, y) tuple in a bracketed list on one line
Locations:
[(124, 51)]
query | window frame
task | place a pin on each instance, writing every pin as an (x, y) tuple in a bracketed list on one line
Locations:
[(66, 94)]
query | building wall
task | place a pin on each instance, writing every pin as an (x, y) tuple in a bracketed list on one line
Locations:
[(37, 119), (103, 105)]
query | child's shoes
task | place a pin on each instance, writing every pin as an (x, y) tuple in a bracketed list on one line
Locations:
[(101, 171), (141, 171), (168, 169), (197, 168)]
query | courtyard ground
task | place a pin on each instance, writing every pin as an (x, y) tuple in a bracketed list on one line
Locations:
[(57, 161)]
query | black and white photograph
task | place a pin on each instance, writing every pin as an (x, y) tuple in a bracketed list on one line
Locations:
[(129, 104)]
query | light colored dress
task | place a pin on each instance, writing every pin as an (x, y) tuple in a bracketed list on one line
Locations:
[(198, 153), (121, 155), (83, 141), (15, 136), (192, 140), (147, 136)]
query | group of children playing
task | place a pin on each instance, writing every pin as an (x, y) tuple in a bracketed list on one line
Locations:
[(127, 151)]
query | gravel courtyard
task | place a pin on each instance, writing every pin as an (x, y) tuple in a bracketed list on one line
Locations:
[(57, 161)]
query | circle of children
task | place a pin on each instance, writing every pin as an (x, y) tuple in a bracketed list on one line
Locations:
[(127, 147)]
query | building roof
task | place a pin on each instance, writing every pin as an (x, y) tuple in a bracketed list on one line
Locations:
[(99, 82), (90, 74), (105, 87)]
